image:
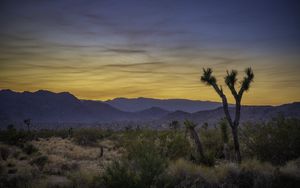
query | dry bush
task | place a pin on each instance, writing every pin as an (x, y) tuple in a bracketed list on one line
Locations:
[(4, 152), (251, 173), (65, 156), (39, 161), (29, 149), (292, 168)]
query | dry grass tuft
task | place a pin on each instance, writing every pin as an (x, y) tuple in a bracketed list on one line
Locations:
[(292, 168)]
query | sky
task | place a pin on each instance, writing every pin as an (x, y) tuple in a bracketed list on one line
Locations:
[(103, 49)]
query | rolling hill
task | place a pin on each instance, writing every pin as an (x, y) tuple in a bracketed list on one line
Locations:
[(64, 108)]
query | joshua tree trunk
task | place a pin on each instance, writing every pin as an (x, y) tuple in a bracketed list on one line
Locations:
[(236, 144), (234, 125), (196, 139)]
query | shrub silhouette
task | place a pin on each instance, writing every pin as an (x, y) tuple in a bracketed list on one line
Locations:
[(175, 125), (142, 167), (40, 161), (225, 139), (276, 141), (4, 153)]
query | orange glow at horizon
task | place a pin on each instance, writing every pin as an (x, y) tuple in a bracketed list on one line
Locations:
[(153, 79)]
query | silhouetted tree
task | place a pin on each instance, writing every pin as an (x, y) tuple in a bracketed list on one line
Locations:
[(101, 152), (231, 80), (190, 126), (27, 122), (205, 126), (174, 125), (70, 132)]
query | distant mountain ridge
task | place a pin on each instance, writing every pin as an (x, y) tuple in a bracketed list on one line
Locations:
[(141, 103), (64, 108), (248, 113), (60, 107), (46, 106)]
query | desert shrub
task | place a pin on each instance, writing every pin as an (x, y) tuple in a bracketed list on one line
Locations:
[(253, 173), (147, 158), (14, 181), (29, 149), (83, 179), (212, 142), (12, 170), (69, 166), (16, 177), (89, 137), (13, 136), (47, 133), (277, 141), (141, 167), (182, 173), (292, 168), (22, 158), (174, 145), (39, 161), (4, 152), (285, 180), (16, 154), (120, 174), (10, 164)]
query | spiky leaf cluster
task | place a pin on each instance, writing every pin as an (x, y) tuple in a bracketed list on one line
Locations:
[(230, 78), (245, 85), (189, 124), (207, 77)]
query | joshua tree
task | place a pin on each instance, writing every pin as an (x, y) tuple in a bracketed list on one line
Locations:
[(70, 132), (231, 80), (174, 125), (27, 122), (190, 126)]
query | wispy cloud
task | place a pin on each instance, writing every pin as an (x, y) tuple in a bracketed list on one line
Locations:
[(125, 51)]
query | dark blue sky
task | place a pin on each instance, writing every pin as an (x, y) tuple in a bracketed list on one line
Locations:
[(248, 24), (38, 37)]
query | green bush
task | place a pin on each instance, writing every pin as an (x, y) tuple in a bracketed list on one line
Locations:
[(14, 181), (47, 133), (120, 174), (4, 153), (276, 141), (249, 174), (13, 136), (146, 157), (29, 149), (89, 137), (39, 161), (174, 145), (141, 168)]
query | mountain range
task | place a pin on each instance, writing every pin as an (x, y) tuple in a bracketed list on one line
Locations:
[(141, 103), (48, 107)]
